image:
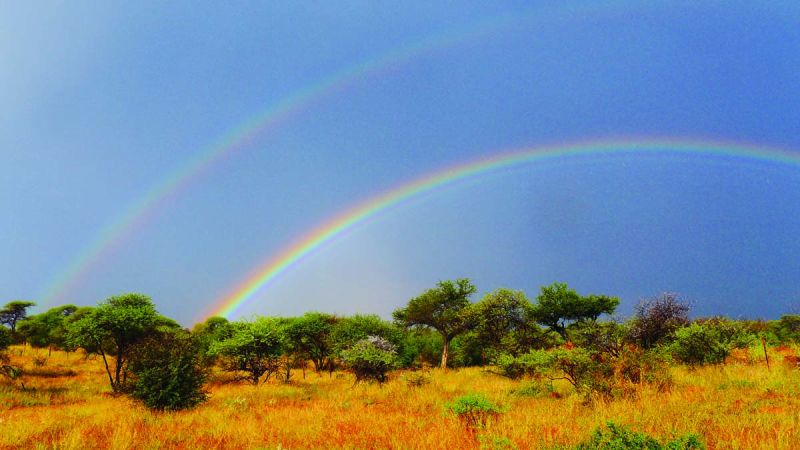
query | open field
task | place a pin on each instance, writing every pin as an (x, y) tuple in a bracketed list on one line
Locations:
[(67, 404)]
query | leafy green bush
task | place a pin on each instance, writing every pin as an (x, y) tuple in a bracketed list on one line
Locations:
[(214, 329), (168, 373), (591, 373), (474, 410), (710, 341), (584, 370), (616, 437), (371, 358), (536, 364), (252, 349), (786, 330)]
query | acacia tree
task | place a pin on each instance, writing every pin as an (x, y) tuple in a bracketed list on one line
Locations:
[(48, 328), (709, 341), (254, 348), (13, 312), (214, 329), (504, 322), (113, 328), (558, 306), (444, 308), (310, 335)]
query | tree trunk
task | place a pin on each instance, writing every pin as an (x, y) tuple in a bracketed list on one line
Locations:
[(288, 370), (445, 352), (118, 370), (108, 370)]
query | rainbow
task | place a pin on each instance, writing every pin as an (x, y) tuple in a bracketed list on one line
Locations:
[(140, 212), (270, 269)]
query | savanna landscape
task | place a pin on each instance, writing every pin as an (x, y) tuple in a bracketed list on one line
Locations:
[(554, 373), (274, 225)]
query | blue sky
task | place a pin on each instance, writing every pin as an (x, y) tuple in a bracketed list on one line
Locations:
[(100, 101)]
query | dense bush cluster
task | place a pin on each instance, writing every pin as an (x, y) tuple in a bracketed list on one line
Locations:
[(561, 335), (167, 372)]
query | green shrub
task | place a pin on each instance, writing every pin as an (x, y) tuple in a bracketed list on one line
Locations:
[(371, 358), (591, 373), (474, 410), (710, 341), (786, 330), (616, 437), (251, 349), (167, 372), (536, 364)]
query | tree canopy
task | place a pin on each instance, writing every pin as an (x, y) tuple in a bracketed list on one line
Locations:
[(253, 348), (504, 322), (113, 328), (47, 329), (558, 306), (444, 308), (310, 335), (13, 312)]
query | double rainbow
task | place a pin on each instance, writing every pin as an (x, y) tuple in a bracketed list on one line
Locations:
[(139, 213), (270, 269)]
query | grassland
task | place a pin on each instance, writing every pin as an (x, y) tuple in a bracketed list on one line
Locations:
[(66, 403)]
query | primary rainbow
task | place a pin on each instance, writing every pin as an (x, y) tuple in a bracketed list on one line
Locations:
[(324, 233)]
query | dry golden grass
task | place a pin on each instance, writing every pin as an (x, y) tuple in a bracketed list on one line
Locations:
[(740, 405)]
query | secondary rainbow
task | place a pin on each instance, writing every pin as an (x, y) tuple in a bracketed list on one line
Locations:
[(354, 216)]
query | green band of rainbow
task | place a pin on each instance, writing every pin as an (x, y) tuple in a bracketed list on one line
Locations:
[(277, 264)]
